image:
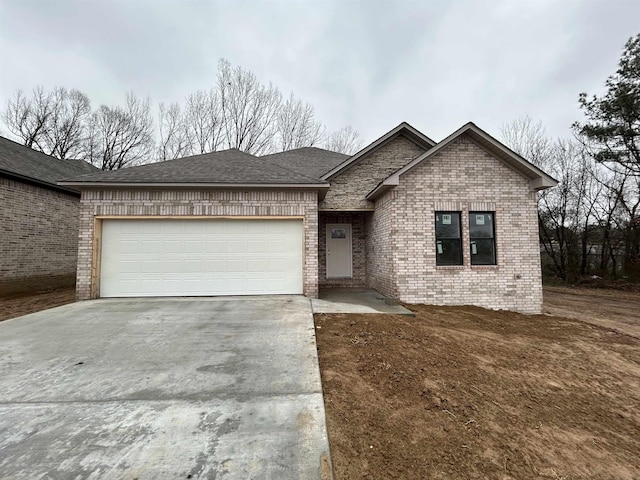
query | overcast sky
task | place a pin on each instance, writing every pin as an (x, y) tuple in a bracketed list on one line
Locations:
[(370, 64)]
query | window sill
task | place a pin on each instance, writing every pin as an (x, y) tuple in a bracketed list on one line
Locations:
[(478, 268)]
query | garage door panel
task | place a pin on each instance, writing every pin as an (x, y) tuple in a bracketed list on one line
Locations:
[(169, 265), (236, 246), (172, 246), (153, 266), (193, 246), (192, 266), (238, 227), (235, 266), (201, 257), (214, 264), (150, 246)]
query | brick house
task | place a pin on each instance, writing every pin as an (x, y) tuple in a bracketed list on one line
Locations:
[(38, 219), (446, 223)]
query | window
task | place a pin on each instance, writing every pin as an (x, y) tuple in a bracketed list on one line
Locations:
[(448, 238), (482, 238), (338, 233)]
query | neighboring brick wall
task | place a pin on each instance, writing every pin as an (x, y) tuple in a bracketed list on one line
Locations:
[(465, 177), (380, 246), (198, 202), (358, 238), (38, 237), (349, 189)]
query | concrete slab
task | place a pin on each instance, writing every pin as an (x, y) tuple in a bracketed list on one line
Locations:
[(354, 300), (223, 388)]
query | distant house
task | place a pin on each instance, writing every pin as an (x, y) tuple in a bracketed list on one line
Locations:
[(447, 223), (38, 219)]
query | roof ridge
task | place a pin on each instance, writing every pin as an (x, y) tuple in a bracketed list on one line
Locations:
[(303, 148), (288, 170), (189, 157), (202, 155)]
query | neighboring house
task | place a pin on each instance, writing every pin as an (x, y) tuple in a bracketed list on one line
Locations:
[(38, 219), (446, 223)]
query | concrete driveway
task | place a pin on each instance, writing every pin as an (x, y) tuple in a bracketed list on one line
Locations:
[(224, 388)]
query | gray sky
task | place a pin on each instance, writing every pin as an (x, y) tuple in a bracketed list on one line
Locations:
[(370, 64)]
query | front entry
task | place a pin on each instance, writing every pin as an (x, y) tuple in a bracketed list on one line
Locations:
[(339, 264)]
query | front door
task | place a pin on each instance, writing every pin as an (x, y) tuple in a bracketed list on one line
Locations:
[(338, 250)]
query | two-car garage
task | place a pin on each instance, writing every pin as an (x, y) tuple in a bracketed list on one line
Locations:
[(200, 257)]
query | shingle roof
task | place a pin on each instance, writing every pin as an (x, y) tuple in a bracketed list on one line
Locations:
[(222, 167), (307, 160), (20, 161)]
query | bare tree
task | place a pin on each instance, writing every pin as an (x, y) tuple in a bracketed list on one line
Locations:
[(296, 126), (346, 140), (249, 109), (53, 122), (28, 118), (66, 135), (528, 139), (567, 211), (237, 112), (203, 121), (619, 221), (121, 137), (173, 141)]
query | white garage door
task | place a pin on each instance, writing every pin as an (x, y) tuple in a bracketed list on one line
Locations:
[(200, 257)]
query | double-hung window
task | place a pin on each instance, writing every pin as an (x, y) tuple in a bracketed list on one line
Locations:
[(482, 238), (448, 238)]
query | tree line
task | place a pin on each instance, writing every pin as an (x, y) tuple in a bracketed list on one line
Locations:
[(590, 223), (239, 112)]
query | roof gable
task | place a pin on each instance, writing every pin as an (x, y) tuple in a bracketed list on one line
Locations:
[(403, 129), (538, 179)]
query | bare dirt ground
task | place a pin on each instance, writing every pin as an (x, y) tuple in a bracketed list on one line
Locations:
[(17, 305), (465, 393), (609, 308)]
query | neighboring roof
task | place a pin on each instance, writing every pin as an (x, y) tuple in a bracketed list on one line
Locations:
[(26, 164), (307, 160), (538, 180), (226, 167), (403, 129)]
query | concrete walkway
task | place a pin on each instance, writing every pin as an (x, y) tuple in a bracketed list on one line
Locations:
[(224, 388), (354, 300)]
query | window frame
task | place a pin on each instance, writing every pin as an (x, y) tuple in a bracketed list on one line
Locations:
[(492, 238), (459, 238)]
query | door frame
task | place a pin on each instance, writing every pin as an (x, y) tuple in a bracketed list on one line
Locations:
[(328, 228)]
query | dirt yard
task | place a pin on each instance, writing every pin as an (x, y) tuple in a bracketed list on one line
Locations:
[(463, 393), (609, 308), (17, 305)]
